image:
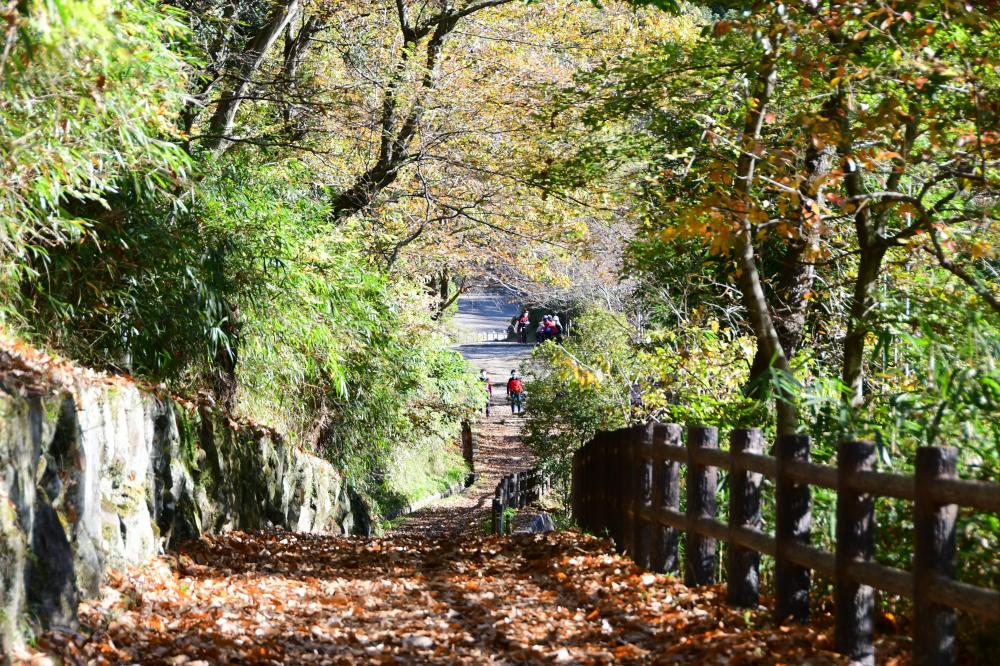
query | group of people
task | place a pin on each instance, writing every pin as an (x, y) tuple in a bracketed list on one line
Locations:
[(515, 391), (549, 328)]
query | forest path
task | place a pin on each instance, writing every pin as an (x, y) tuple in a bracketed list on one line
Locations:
[(274, 597), (436, 590), (500, 450)]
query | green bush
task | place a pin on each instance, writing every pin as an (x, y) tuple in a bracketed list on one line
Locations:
[(328, 348), (577, 389), (89, 94)]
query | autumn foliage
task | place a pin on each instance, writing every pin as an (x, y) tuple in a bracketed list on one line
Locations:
[(279, 597)]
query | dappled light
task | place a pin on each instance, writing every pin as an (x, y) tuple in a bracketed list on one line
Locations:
[(437, 331), (293, 598)]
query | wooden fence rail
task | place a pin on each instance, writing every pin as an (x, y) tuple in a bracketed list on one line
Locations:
[(627, 482), (516, 491), (492, 335)]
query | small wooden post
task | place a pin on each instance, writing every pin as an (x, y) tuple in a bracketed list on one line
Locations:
[(793, 523), (498, 507), (642, 504), (855, 541), (633, 441), (666, 495), (699, 553), (587, 453), (743, 564), (613, 482), (933, 557), (587, 492), (468, 446), (510, 500)]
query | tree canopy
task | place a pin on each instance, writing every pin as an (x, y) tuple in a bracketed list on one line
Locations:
[(755, 213)]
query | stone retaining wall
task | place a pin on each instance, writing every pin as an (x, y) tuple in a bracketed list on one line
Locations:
[(98, 475)]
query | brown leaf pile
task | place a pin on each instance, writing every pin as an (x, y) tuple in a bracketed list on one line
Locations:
[(25, 368), (281, 597)]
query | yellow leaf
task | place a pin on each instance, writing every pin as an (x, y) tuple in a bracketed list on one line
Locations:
[(981, 249)]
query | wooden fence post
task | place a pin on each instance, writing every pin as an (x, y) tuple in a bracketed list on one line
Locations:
[(934, 556), (743, 564), (498, 508), (510, 501), (589, 492), (626, 456), (574, 486), (642, 503), (855, 603), (793, 523), (613, 472), (606, 512), (699, 553), (666, 495), (603, 482)]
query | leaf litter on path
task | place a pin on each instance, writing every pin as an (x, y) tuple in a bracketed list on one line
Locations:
[(275, 597)]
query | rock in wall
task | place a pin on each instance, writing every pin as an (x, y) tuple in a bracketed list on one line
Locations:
[(99, 475)]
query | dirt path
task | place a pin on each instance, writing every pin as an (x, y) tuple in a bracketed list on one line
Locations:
[(499, 452), (287, 598), (433, 591)]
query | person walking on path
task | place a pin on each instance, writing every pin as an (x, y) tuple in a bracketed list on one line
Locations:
[(522, 327), (487, 387), (557, 329), (515, 393)]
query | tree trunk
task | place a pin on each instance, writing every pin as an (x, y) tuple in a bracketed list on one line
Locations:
[(798, 275), (399, 129), (440, 288), (869, 227), (224, 379), (207, 79), (296, 47), (444, 289), (750, 283), (862, 300), (220, 127), (394, 145)]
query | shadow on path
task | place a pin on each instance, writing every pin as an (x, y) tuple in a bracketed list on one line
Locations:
[(280, 597)]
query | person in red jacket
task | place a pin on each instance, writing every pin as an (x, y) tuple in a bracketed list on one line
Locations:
[(522, 327), (515, 393)]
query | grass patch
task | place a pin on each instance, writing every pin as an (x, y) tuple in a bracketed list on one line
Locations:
[(431, 467)]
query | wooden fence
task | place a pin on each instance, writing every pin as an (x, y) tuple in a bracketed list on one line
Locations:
[(466, 336), (627, 482), (516, 491)]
